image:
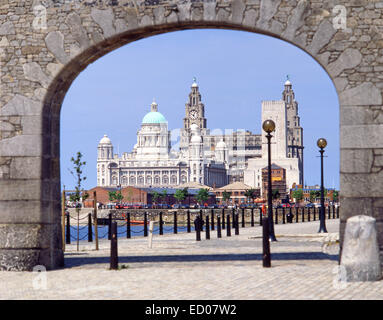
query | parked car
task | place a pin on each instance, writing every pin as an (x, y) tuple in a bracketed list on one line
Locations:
[(176, 206), (184, 206), (309, 205)]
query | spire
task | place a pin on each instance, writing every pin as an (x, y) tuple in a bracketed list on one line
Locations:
[(154, 106), (287, 83)]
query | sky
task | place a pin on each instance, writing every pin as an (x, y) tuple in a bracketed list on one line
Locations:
[(235, 71)]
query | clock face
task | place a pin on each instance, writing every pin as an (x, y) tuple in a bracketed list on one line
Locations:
[(193, 114)]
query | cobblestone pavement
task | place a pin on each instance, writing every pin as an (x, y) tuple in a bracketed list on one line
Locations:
[(178, 267)]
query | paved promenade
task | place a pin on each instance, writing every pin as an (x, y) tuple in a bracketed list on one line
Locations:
[(178, 267)]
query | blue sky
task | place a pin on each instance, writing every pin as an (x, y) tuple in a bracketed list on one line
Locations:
[(235, 71)]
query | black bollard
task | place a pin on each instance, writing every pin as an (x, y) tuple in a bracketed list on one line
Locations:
[(200, 214), (145, 224), (175, 222), (219, 234), (128, 229), (252, 217), (212, 219), (328, 212), (236, 224), (110, 227), (243, 217), (283, 215), (228, 228), (113, 247), (260, 216), (266, 259), (333, 211), (207, 228), (67, 228), (276, 215), (223, 219), (296, 214), (291, 214), (314, 213), (90, 231), (303, 214), (308, 214), (233, 217), (337, 211), (188, 221), (162, 224), (197, 227)]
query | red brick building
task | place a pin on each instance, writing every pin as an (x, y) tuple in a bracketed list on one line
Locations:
[(278, 180)]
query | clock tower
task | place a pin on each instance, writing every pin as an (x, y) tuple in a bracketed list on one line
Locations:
[(194, 109), (194, 114)]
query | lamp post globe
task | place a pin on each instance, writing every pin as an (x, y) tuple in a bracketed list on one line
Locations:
[(268, 126), (322, 143)]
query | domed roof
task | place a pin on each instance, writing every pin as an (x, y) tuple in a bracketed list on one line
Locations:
[(154, 117), (105, 140), (287, 83), (221, 145)]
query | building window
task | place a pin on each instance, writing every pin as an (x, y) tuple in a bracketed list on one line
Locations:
[(132, 181), (173, 180), (140, 180), (165, 180), (157, 180)]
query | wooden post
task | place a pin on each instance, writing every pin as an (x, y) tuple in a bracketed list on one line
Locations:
[(95, 218), (63, 219)]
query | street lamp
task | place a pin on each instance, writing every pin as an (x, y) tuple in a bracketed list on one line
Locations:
[(269, 126), (322, 143)]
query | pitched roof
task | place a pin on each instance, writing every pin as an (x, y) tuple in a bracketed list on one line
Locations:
[(235, 186), (194, 185)]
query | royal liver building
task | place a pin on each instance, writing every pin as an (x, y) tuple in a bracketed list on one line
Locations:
[(209, 158)]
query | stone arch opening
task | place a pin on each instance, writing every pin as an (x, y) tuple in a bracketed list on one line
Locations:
[(80, 34)]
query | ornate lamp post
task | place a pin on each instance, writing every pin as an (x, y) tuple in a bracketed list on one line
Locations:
[(322, 143), (269, 126)]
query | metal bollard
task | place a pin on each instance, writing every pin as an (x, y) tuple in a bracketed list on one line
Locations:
[(175, 222), (328, 212), (303, 214), (197, 231), (113, 247), (67, 229), (110, 227), (308, 214), (283, 215), (128, 228), (296, 214), (219, 234), (252, 217), (233, 217), (223, 219), (276, 215), (314, 213), (260, 216), (212, 219), (161, 222), (337, 212), (236, 224), (333, 211), (243, 217), (145, 224), (266, 259), (90, 231), (188, 221), (207, 229), (228, 228)]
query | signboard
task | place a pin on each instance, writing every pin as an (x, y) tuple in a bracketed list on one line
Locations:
[(276, 178)]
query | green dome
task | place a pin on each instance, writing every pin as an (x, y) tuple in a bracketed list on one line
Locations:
[(154, 117)]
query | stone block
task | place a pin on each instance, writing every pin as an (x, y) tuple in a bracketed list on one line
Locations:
[(361, 185), (360, 251), (21, 106), (27, 211), (22, 145), (363, 95), (360, 115), (356, 160), (350, 58), (361, 136)]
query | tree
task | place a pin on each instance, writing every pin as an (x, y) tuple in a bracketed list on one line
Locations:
[(155, 197), (202, 196), (275, 194), (115, 196), (163, 195), (180, 195), (250, 194), (226, 196), (80, 193), (335, 196), (313, 195), (298, 194)]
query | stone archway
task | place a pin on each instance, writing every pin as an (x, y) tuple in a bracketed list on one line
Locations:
[(44, 45)]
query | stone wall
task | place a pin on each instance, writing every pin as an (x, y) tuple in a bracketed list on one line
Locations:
[(45, 44)]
